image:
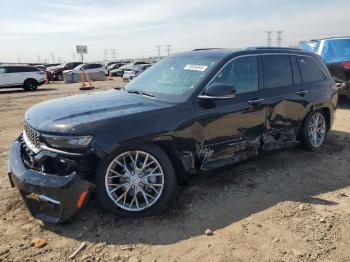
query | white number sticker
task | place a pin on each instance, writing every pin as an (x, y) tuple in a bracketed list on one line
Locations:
[(200, 68)]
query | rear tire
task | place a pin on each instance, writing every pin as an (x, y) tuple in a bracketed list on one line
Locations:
[(140, 189), (314, 130), (30, 85)]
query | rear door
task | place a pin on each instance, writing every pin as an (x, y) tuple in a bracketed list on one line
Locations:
[(284, 97), (232, 128), (313, 78)]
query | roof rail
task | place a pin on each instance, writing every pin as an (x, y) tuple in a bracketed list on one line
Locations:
[(331, 37), (274, 48), (203, 49)]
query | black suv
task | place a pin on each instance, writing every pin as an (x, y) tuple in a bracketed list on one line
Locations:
[(192, 111)]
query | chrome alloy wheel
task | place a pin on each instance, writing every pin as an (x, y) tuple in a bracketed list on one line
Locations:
[(134, 180), (317, 129)]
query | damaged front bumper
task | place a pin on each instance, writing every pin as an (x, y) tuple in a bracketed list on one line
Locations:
[(51, 198)]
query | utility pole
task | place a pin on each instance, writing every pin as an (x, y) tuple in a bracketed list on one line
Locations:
[(39, 60), (73, 55), (168, 49), (158, 51), (269, 38), (53, 58), (59, 59), (45, 60), (113, 53), (105, 54), (279, 38)]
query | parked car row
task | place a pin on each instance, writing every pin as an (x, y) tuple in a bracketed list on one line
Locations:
[(56, 72), (130, 74), (335, 52), (130, 70)]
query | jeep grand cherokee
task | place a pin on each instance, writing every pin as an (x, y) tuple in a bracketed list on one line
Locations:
[(192, 111)]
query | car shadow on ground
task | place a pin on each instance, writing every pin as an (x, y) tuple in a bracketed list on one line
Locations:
[(217, 199), (15, 91)]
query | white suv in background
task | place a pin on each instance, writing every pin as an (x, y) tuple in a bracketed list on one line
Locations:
[(26, 77)]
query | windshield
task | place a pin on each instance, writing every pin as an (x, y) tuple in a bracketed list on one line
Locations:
[(173, 78), (336, 50), (79, 67), (127, 66)]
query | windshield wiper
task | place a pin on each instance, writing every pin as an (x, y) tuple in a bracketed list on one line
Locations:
[(140, 92)]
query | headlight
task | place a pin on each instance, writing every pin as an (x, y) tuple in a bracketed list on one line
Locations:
[(67, 142)]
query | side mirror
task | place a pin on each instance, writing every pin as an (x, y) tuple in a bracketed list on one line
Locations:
[(219, 91)]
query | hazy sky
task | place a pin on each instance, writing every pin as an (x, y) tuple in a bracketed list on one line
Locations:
[(32, 28)]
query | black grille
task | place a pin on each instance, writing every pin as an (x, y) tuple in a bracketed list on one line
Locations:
[(32, 135)]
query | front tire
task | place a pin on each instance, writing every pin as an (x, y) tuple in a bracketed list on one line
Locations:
[(136, 181), (314, 130)]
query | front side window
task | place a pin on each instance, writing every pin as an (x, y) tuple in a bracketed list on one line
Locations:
[(173, 78), (277, 71), (310, 71), (2, 70), (241, 73)]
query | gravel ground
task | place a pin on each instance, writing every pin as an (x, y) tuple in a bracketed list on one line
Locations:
[(289, 205)]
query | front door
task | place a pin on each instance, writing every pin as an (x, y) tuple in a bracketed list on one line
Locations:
[(232, 128), (3, 77)]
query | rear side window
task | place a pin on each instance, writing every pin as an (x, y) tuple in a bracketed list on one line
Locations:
[(21, 69), (93, 66), (242, 73), (310, 71), (277, 71), (14, 69)]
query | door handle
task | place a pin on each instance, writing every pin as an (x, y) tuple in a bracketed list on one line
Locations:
[(255, 102), (302, 92)]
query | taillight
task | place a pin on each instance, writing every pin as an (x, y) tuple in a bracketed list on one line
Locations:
[(346, 65)]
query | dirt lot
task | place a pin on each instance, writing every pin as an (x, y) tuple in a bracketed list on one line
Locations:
[(290, 205)]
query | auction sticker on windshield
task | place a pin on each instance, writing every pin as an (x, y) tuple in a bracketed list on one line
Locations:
[(200, 68)]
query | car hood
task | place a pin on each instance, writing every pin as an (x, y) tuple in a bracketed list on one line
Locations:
[(63, 115)]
